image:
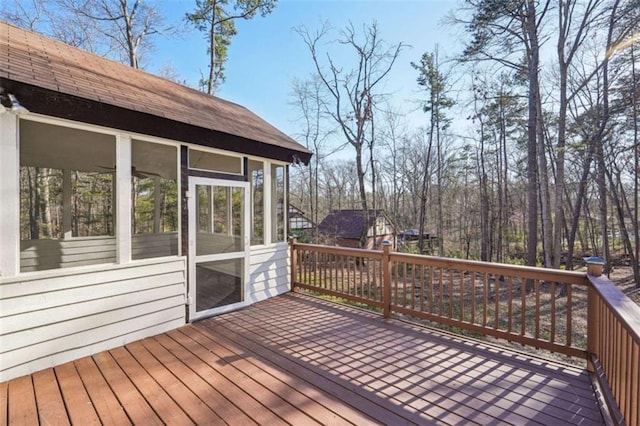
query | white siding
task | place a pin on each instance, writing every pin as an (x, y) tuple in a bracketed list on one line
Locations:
[(38, 255), (269, 272), (47, 318)]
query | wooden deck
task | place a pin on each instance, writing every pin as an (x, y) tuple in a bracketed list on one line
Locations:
[(298, 360)]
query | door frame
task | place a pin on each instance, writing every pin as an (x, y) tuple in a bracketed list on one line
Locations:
[(193, 259)]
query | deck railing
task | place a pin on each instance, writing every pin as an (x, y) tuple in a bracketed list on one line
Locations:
[(614, 347), (560, 311)]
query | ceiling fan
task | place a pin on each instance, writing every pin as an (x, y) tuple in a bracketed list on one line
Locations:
[(140, 174)]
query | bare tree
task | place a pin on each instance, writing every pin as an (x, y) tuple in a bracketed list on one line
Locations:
[(393, 136), (353, 92), (309, 98), (55, 19), (122, 29), (127, 24)]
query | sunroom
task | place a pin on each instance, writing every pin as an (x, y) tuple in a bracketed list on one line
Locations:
[(129, 204)]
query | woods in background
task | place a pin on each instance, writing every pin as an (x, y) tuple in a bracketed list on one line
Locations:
[(546, 166)]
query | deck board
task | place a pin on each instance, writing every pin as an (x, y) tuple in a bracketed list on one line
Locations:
[(161, 403), (326, 408), (21, 391), (192, 405), (76, 399), (135, 405), (3, 404), (235, 391), (51, 409), (294, 392), (104, 401), (225, 411), (265, 395), (302, 361)]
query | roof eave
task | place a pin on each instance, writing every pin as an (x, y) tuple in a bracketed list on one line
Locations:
[(56, 104)]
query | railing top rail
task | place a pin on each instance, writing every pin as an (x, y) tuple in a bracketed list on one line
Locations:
[(622, 307), (568, 277), (558, 275), (345, 251)]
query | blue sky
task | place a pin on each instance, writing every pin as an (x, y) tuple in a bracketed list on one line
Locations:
[(267, 54)]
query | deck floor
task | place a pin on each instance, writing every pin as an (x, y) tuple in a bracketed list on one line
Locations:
[(298, 360)]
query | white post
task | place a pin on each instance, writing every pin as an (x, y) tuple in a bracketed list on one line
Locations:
[(268, 194), (229, 211), (123, 198), (9, 195), (157, 201), (211, 209), (66, 204)]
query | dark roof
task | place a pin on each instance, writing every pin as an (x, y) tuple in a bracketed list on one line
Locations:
[(52, 78), (347, 223)]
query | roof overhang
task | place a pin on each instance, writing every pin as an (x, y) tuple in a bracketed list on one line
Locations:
[(61, 105)]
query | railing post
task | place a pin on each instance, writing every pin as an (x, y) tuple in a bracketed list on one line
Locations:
[(593, 320), (386, 278), (294, 261)]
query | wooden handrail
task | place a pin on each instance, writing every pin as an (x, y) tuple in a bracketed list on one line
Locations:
[(343, 251), (569, 277), (614, 348)]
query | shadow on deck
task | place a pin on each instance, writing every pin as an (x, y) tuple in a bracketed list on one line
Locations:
[(299, 360)]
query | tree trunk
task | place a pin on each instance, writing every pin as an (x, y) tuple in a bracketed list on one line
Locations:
[(545, 196), (575, 220), (532, 148), (560, 158), (212, 45), (423, 199), (363, 195), (128, 28), (34, 202), (636, 171)]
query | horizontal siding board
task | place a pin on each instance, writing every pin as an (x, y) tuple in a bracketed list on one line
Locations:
[(271, 292), (45, 282), (268, 251), (44, 267), (262, 285), (261, 256), (73, 242), (267, 277), (269, 272), (49, 333), (267, 266), (30, 255), (147, 238), (52, 254), (27, 320), (87, 338), (37, 302), (69, 260)]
